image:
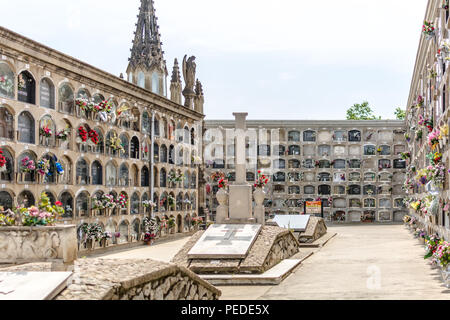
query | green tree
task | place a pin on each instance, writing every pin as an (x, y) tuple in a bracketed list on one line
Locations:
[(361, 112), (400, 114)]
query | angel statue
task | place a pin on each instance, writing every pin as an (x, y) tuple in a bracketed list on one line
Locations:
[(189, 67)]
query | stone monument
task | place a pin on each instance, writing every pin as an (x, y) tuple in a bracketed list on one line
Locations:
[(240, 248)]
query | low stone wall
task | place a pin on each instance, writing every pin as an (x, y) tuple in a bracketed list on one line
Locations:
[(108, 279), (32, 244)]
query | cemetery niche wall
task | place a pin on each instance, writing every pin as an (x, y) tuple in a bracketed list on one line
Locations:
[(239, 243)]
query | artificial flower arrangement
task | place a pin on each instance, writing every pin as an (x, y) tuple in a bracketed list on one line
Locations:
[(171, 223), (261, 181), (223, 184), (408, 185), (175, 177), (108, 201), (432, 243), (2, 161), (82, 135), (419, 101), (148, 204), (27, 165), (97, 203), (122, 201), (43, 215), (420, 233), (405, 155), (43, 167), (21, 83), (216, 176), (407, 137), (406, 218), (59, 168), (163, 223), (63, 134), (93, 136), (151, 229), (433, 138), (6, 84), (197, 220), (92, 231), (7, 217), (419, 135), (171, 201), (84, 104), (103, 106), (442, 253), (115, 143), (416, 205), (435, 157), (425, 122), (45, 131), (428, 29)]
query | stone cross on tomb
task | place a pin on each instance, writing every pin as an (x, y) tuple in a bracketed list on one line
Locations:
[(230, 235)]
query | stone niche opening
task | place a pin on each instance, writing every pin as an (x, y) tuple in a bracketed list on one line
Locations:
[(384, 216), (354, 150), (309, 150), (355, 216), (324, 136), (339, 150)]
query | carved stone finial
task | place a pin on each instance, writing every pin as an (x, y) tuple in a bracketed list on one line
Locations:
[(199, 99), (175, 85)]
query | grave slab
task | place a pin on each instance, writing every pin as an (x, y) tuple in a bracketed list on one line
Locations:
[(225, 241), (296, 222), (32, 285)]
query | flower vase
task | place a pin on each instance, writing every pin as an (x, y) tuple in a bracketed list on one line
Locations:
[(222, 197), (259, 196)]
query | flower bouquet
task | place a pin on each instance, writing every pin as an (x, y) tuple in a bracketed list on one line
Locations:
[(93, 136), (82, 135), (63, 134), (405, 155), (45, 131), (27, 165), (262, 180), (43, 215), (433, 138), (148, 204), (2, 161), (43, 167), (175, 178), (122, 201), (442, 253), (7, 85), (435, 157), (428, 30), (223, 184)]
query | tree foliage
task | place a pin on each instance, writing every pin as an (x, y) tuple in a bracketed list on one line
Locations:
[(361, 112), (400, 114)]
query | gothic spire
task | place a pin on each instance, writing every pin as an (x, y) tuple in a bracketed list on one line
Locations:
[(176, 76), (147, 46)]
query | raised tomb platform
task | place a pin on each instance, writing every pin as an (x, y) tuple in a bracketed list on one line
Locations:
[(308, 228), (266, 249)]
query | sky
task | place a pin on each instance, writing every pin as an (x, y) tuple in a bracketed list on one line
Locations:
[(284, 59)]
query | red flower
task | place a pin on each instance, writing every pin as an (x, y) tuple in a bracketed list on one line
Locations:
[(58, 203)]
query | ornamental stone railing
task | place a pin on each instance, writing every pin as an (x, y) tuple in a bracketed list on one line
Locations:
[(19, 244)]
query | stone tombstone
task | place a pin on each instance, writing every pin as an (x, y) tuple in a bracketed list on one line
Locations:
[(32, 285), (296, 222), (232, 241), (240, 196)]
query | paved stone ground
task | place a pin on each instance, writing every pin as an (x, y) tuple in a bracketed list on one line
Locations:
[(346, 268)]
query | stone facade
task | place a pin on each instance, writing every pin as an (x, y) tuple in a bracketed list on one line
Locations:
[(40, 88), (356, 163), (29, 244), (428, 100), (105, 279)]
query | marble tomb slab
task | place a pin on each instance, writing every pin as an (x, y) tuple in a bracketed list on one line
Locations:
[(296, 222), (226, 241), (32, 285)]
